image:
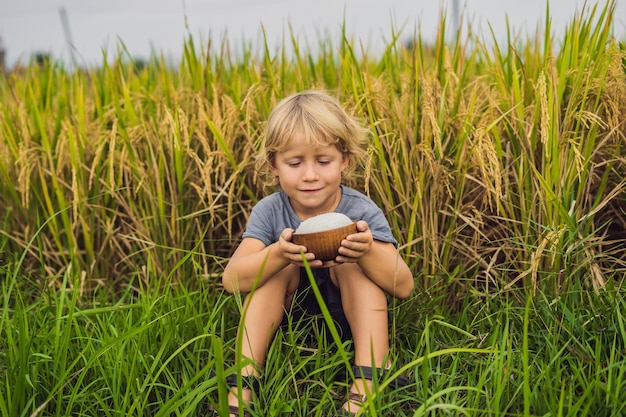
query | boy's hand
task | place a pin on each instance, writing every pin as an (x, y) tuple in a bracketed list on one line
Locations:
[(293, 253), (354, 246)]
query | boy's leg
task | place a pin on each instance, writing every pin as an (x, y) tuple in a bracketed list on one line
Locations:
[(306, 305), (262, 314), (365, 307)]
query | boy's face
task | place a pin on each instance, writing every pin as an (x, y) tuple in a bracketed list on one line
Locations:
[(310, 177)]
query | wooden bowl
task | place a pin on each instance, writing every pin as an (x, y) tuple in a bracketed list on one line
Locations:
[(325, 245)]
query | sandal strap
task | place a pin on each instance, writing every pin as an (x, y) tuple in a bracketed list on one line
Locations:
[(367, 372), (247, 382), (344, 413), (355, 397), (233, 409)]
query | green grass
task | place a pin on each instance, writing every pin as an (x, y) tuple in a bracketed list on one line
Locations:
[(502, 162), (162, 352)]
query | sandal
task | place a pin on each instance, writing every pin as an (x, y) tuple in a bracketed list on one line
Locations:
[(247, 382), (353, 398), (367, 372), (233, 409)]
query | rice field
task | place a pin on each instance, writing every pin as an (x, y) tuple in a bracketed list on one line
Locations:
[(501, 168)]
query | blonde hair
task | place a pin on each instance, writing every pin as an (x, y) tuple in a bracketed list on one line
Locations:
[(322, 121)]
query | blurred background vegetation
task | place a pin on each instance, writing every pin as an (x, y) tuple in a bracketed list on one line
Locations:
[(498, 165)]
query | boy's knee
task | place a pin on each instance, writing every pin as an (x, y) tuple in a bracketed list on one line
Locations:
[(347, 275), (290, 277)]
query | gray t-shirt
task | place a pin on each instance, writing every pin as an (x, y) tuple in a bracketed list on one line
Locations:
[(273, 214)]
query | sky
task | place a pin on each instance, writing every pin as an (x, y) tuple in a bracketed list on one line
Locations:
[(96, 26)]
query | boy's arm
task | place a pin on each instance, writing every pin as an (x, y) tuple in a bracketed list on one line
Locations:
[(253, 263), (383, 264), (380, 261)]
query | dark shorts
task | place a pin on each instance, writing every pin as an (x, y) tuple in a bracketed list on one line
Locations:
[(305, 306)]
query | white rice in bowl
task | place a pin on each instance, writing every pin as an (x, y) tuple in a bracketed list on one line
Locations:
[(321, 222)]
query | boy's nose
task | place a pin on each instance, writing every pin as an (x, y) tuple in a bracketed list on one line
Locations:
[(310, 173)]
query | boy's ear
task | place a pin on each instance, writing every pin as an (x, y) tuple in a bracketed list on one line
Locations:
[(346, 159), (271, 163)]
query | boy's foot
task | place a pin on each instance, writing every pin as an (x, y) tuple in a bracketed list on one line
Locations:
[(353, 404), (363, 383), (249, 385), (235, 412)]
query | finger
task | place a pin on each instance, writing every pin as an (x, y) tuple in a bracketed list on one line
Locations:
[(354, 245), (298, 257), (313, 263), (341, 259), (347, 253), (361, 236), (317, 263), (287, 234), (362, 226)]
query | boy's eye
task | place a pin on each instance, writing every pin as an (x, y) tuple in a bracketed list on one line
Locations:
[(293, 164), (323, 162)]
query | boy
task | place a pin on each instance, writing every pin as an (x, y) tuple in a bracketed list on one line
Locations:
[(310, 144)]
